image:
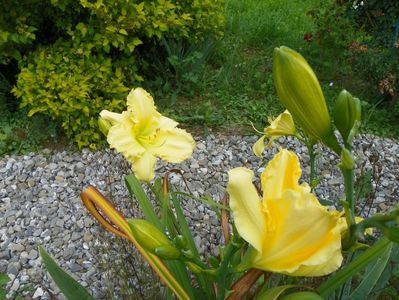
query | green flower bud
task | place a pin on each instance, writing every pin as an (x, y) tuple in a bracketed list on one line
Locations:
[(347, 111), (347, 160), (180, 241), (194, 267), (300, 92), (104, 125), (152, 239)]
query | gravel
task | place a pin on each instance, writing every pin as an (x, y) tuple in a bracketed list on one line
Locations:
[(40, 204)]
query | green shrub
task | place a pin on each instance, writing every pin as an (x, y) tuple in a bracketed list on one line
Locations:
[(78, 57), (72, 88)]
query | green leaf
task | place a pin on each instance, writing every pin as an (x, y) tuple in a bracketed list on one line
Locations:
[(392, 234), (302, 296), (275, 292), (68, 286), (340, 277), (373, 274), (123, 31), (135, 189)]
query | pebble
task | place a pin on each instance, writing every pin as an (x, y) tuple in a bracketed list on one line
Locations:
[(40, 205)]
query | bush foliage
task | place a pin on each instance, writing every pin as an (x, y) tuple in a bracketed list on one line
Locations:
[(78, 57)]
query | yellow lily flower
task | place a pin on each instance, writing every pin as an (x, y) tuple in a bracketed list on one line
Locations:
[(283, 125), (289, 230), (142, 134)]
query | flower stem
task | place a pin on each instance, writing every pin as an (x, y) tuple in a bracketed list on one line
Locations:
[(348, 175)]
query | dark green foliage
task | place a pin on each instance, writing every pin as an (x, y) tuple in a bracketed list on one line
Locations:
[(71, 88), (363, 40), (76, 58)]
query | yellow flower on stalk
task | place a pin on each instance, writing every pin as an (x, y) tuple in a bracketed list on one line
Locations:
[(142, 134), (300, 92), (289, 230), (283, 125)]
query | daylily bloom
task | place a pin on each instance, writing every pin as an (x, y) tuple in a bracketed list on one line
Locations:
[(300, 92), (283, 125), (142, 134), (289, 230)]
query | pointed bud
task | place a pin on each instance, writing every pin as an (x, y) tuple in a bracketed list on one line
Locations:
[(347, 160), (104, 125), (152, 239), (196, 269), (347, 111), (300, 92), (180, 241)]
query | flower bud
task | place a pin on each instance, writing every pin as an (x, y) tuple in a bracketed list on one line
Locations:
[(300, 92), (152, 239), (347, 111), (196, 269), (104, 125), (180, 241)]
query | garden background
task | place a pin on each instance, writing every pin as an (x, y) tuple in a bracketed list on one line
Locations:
[(208, 63)]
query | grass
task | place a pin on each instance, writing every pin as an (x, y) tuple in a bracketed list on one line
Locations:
[(235, 87)]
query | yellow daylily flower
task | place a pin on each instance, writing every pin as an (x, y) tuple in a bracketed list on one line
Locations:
[(142, 134), (289, 230), (283, 125)]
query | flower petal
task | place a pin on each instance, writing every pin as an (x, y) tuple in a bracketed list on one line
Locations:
[(143, 167), (304, 238), (246, 206), (282, 125), (259, 146), (281, 173), (121, 137), (173, 145), (141, 104), (111, 117), (165, 122)]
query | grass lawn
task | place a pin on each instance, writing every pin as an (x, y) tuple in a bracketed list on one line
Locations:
[(236, 88)]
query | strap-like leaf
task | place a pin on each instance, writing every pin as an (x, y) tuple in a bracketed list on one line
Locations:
[(68, 286), (275, 292), (339, 278), (95, 202), (372, 276)]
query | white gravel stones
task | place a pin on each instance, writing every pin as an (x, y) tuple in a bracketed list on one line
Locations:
[(40, 205)]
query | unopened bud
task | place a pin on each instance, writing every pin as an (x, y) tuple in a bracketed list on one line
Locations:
[(180, 241), (194, 267), (152, 239), (347, 112), (300, 92)]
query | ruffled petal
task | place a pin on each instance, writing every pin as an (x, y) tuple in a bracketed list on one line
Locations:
[(143, 166), (304, 238), (113, 118), (173, 145), (281, 173), (259, 146), (121, 137), (246, 207), (141, 104), (165, 123)]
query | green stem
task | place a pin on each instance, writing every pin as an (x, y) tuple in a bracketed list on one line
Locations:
[(312, 158), (348, 175)]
